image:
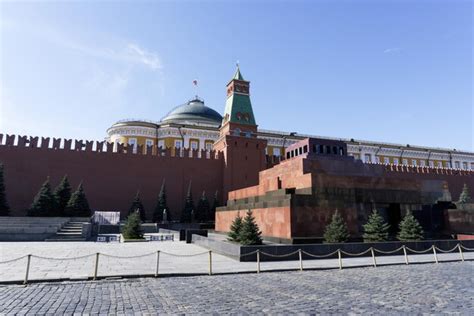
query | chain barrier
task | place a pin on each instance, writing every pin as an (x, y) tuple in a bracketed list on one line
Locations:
[(468, 249), (355, 254), (446, 251), (319, 256), (249, 254), (128, 257), (422, 251), (13, 260), (176, 255), (279, 256), (389, 252), (62, 259)]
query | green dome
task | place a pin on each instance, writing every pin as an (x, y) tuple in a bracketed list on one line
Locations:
[(193, 112)]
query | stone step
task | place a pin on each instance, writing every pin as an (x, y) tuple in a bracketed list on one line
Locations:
[(65, 239)]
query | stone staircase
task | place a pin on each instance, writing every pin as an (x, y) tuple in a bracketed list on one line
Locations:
[(71, 231)]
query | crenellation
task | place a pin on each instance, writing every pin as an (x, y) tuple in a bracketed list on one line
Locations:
[(89, 146), (67, 144), (10, 140), (23, 141), (45, 142), (99, 146), (56, 143)]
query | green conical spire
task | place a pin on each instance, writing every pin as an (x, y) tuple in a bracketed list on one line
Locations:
[(238, 108), (238, 75)]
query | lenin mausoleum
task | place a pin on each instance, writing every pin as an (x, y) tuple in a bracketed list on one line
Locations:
[(292, 182)]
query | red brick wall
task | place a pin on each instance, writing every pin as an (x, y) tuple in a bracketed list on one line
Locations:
[(111, 180)]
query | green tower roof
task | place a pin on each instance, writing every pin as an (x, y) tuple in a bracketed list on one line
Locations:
[(238, 75), (238, 108)]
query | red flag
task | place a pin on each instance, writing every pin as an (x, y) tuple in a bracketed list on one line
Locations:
[(195, 82)]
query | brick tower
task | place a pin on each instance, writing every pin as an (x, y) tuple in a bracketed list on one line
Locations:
[(244, 153)]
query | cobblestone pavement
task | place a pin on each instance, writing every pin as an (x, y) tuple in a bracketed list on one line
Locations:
[(414, 289)]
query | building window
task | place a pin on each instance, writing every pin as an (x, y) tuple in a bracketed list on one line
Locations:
[(440, 164), (161, 144), (386, 160), (133, 142), (377, 159), (457, 165), (328, 149), (414, 162), (334, 150), (149, 142), (305, 149), (422, 163), (472, 165), (464, 165), (208, 146), (405, 161), (368, 158), (395, 161), (276, 152), (321, 149), (194, 145), (177, 144), (431, 163)]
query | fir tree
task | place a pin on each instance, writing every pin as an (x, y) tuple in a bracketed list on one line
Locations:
[(336, 231), (62, 195), (4, 207), (186, 215), (137, 205), (78, 206), (410, 229), (215, 205), (375, 229), (464, 197), (132, 228), (202, 210), (250, 233), (235, 229), (161, 206), (43, 203)]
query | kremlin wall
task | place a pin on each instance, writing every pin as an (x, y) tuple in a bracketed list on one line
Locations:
[(292, 182)]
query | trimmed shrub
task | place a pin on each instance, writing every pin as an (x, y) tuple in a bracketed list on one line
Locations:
[(44, 202), (235, 228), (464, 197), (336, 231), (410, 229), (375, 229), (62, 195), (250, 233), (78, 206), (188, 210), (132, 228)]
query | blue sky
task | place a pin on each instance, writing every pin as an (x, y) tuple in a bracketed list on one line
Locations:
[(394, 71)]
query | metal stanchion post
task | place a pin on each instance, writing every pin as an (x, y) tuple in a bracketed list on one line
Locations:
[(157, 263), (301, 259), (434, 253), (258, 261), (340, 258), (28, 261), (210, 262), (96, 265), (405, 254), (460, 252), (373, 256)]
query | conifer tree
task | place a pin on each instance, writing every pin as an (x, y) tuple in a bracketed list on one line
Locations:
[(62, 195), (132, 228), (336, 231), (250, 233), (161, 206), (203, 210), (215, 204), (375, 229), (235, 228), (78, 206), (465, 197), (137, 205), (4, 207), (410, 229), (186, 215), (43, 203)]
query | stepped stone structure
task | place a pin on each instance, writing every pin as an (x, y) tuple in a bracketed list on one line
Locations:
[(292, 182)]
